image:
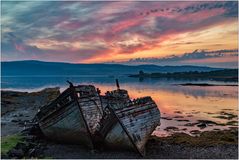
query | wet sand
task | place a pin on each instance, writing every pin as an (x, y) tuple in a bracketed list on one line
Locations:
[(20, 107)]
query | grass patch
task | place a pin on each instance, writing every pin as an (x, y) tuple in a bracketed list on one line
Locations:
[(9, 142)]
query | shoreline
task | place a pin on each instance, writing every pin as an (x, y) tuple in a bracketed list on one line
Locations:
[(20, 107)]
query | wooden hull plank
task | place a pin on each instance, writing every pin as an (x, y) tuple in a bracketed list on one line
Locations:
[(138, 120), (69, 127)]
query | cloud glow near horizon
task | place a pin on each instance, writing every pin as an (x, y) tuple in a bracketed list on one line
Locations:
[(121, 32)]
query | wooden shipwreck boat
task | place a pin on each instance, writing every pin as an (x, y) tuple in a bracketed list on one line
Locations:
[(128, 124), (80, 115), (73, 116)]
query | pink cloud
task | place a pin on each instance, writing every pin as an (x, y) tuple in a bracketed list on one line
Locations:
[(19, 47), (106, 26), (200, 16)]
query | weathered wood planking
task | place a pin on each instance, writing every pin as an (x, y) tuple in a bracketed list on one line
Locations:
[(135, 122), (66, 125), (140, 124), (91, 111), (81, 115), (73, 116)]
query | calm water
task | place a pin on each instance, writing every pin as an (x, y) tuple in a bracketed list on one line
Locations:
[(179, 105)]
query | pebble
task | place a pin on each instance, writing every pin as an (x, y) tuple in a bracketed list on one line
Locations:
[(15, 120), (202, 125)]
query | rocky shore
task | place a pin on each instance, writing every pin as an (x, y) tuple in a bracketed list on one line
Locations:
[(20, 140)]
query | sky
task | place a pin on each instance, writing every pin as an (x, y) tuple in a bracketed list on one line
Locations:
[(163, 33)]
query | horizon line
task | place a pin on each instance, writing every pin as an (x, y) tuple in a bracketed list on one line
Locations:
[(115, 63)]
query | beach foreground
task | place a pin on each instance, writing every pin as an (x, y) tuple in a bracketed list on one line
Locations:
[(18, 108)]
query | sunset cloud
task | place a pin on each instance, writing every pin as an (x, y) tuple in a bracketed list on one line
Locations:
[(91, 32), (218, 58)]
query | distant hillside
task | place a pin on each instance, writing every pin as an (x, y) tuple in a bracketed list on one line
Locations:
[(58, 68), (218, 75)]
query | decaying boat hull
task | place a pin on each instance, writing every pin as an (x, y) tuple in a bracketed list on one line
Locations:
[(118, 138), (80, 115), (92, 112), (67, 125), (133, 126), (73, 116)]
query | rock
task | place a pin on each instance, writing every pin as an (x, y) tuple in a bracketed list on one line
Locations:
[(166, 118), (207, 122), (22, 123), (5, 156), (33, 130), (216, 129), (209, 113), (171, 128), (202, 125), (19, 153), (41, 156), (190, 124), (178, 117), (34, 152), (22, 146), (195, 112), (195, 132), (20, 115), (15, 120), (38, 151), (32, 144), (179, 112), (30, 138), (182, 120), (31, 152)]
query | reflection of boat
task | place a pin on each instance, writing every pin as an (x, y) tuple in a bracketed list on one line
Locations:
[(73, 116), (81, 115)]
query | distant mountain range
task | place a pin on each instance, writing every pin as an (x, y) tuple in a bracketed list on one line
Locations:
[(29, 68)]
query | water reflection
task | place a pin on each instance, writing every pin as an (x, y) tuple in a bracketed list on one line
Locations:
[(179, 105)]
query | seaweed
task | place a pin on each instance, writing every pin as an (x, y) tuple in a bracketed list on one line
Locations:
[(9, 142), (206, 138)]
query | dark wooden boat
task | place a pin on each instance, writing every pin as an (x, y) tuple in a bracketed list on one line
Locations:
[(73, 116), (129, 125), (115, 96), (81, 115)]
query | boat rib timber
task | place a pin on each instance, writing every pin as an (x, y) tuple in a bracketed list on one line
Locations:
[(73, 116), (129, 125)]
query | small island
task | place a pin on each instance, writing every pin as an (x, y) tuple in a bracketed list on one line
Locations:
[(226, 75)]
